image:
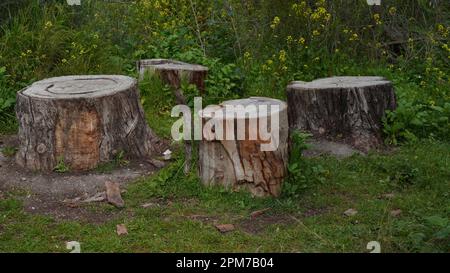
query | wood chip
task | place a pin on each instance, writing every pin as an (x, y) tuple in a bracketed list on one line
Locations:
[(121, 230), (113, 194), (258, 213), (225, 228), (150, 205), (350, 212), (98, 197)]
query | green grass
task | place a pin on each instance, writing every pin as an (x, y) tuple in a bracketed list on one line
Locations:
[(418, 175), (8, 151)]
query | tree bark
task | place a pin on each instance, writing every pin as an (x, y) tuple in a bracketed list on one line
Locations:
[(347, 109), (82, 120), (173, 73), (242, 162)]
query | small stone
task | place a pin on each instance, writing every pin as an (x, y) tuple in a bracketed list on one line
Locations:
[(225, 228), (350, 212), (121, 230), (396, 213), (113, 194)]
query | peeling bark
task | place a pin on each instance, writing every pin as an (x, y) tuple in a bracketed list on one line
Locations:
[(347, 109), (83, 120), (241, 164)]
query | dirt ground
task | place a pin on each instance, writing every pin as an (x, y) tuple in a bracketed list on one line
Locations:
[(54, 193)]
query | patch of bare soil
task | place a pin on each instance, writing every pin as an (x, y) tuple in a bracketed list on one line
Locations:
[(261, 223), (205, 219), (60, 210), (320, 147), (314, 212), (158, 202), (47, 191), (340, 150)]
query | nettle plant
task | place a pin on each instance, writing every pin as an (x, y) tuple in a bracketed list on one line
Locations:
[(303, 173)]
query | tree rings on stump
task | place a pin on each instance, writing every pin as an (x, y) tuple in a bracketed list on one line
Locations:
[(81, 121)]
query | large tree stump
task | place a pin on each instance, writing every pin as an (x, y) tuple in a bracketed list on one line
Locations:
[(245, 159), (82, 120), (174, 73), (347, 109)]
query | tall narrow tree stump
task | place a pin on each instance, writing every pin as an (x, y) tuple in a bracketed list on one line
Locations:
[(346, 109), (81, 121), (174, 73), (244, 159)]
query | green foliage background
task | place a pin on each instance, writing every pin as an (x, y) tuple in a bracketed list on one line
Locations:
[(254, 47), (251, 47)]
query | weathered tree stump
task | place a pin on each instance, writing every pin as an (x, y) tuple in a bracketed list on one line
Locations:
[(81, 120), (244, 159), (173, 73), (347, 109)]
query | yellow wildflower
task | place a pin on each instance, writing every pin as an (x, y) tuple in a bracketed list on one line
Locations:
[(354, 37), (301, 41), (48, 24), (392, 10), (377, 19), (289, 39), (276, 21), (282, 56)]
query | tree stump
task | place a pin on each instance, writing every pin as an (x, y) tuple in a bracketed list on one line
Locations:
[(82, 121), (173, 73), (241, 157), (348, 109)]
